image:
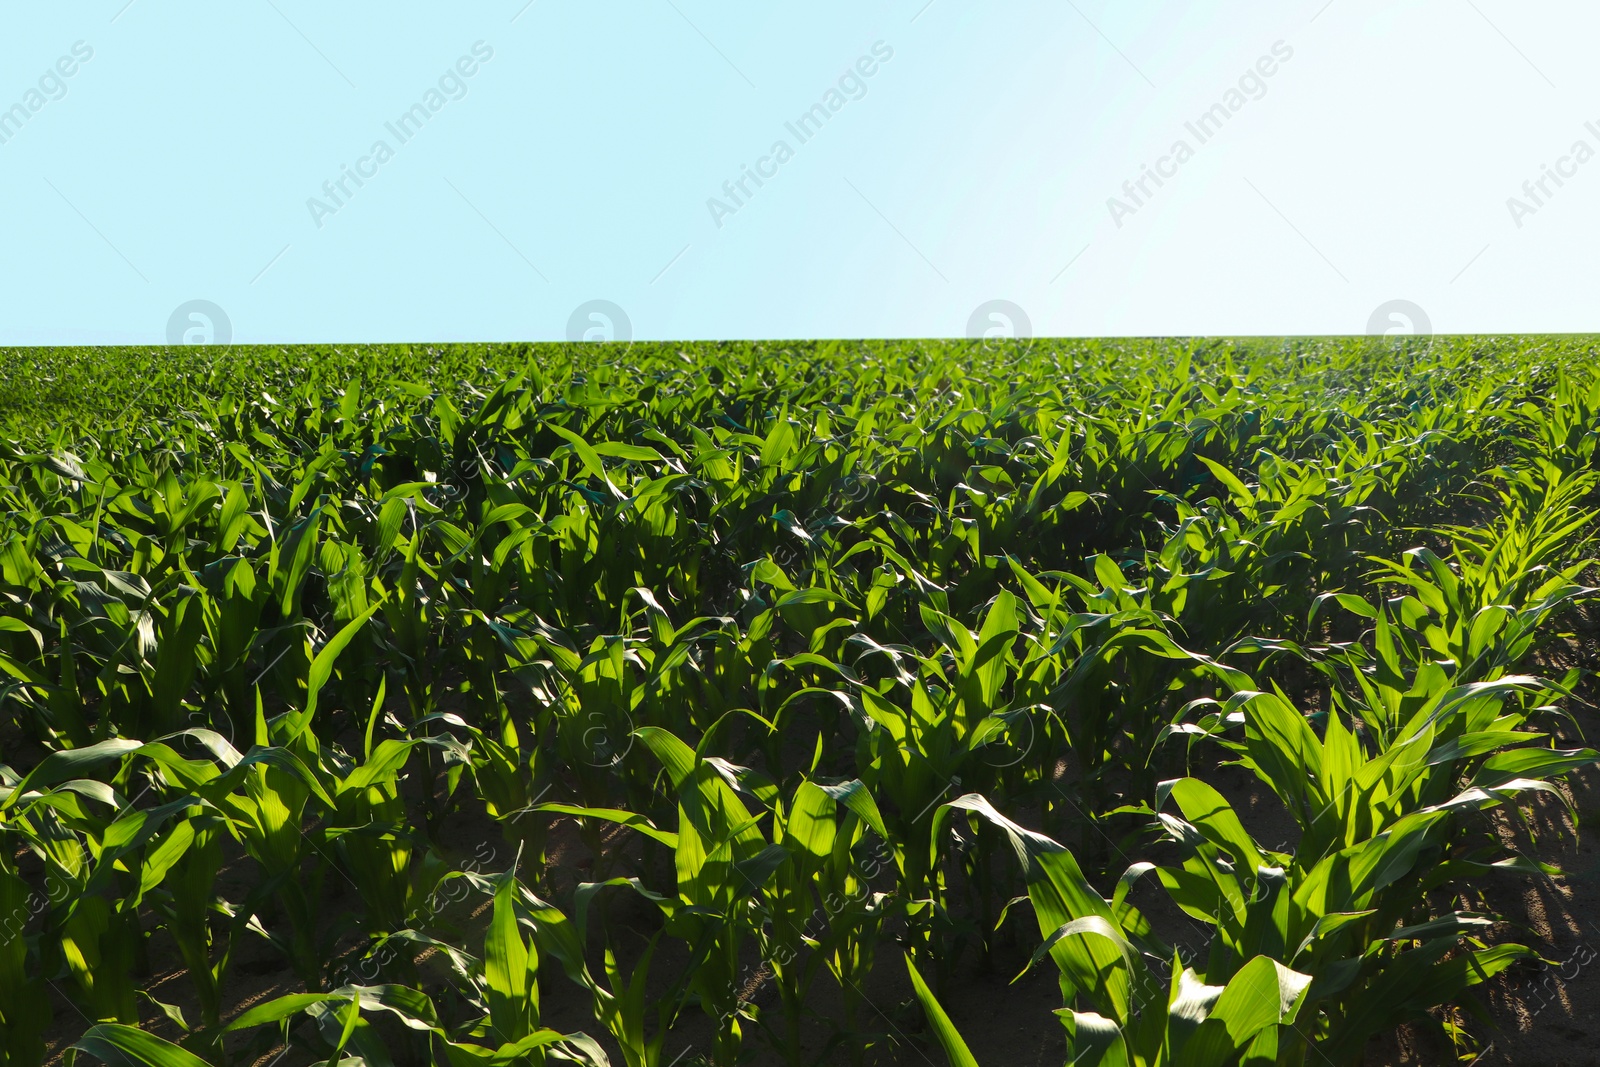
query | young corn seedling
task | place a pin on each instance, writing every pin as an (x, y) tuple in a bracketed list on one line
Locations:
[(1115, 1012), (620, 1002), (505, 983), (723, 862)]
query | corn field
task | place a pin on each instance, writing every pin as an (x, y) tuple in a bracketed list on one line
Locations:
[(717, 704)]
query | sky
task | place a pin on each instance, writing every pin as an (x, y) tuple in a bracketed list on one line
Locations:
[(639, 169)]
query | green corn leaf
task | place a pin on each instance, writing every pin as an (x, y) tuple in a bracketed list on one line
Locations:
[(590, 458), (176, 659), (292, 562), (322, 665), (1242, 497), (509, 967), (58, 767), (944, 1031), (128, 1046), (810, 827), (858, 798), (1088, 926), (516, 1053), (1285, 753), (1262, 993), (1412, 982), (1095, 1040), (1214, 817), (1061, 894), (621, 818), (280, 1008), (411, 1006), (1327, 924), (1504, 767), (234, 519)]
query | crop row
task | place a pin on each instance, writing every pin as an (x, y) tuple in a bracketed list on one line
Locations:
[(794, 646)]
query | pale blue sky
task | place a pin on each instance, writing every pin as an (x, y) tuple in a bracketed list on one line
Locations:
[(1375, 163)]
